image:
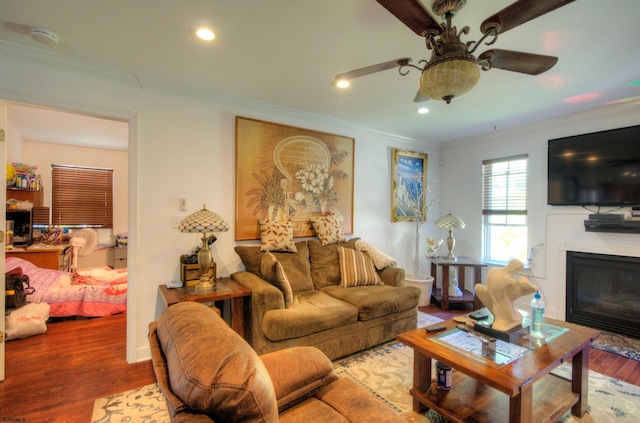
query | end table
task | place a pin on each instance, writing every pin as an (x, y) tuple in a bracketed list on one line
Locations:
[(224, 289), (441, 296)]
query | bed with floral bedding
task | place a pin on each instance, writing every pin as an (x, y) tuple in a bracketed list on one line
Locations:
[(92, 292)]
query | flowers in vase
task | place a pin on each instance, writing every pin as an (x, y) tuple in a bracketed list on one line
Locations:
[(317, 185)]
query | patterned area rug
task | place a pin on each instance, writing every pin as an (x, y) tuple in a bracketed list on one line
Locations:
[(618, 344), (386, 372)]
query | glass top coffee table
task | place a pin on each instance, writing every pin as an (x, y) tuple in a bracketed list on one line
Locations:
[(520, 389)]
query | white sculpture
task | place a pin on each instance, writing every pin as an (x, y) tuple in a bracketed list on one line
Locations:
[(432, 246), (454, 290), (500, 292)]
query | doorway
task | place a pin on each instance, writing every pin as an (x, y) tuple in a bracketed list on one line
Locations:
[(72, 132)]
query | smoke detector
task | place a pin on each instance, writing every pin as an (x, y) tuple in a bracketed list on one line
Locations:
[(44, 36)]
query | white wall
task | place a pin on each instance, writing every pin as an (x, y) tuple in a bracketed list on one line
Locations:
[(183, 146), (558, 228)]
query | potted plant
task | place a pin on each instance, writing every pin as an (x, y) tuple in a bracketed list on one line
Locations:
[(418, 278)]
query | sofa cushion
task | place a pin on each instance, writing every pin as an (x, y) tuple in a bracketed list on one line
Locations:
[(312, 410), (273, 273), (276, 236), (380, 259), (325, 265), (328, 229), (296, 265), (311, 312), (356, 269), (376, 300), (297, 373), (220, 375)]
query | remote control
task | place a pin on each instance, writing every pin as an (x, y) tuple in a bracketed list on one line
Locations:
[(435, 328), (478, 316)]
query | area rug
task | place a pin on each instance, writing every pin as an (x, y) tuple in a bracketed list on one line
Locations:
[(618, 344), (386, 371)]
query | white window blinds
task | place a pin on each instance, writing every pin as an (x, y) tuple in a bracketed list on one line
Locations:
[(505, 186), (81, 196)]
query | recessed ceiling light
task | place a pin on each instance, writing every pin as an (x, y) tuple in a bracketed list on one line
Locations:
[(203, 33), (342, 83), (423, 110)]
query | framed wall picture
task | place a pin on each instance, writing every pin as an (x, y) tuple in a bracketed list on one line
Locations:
[(408, 185), (288, 173)]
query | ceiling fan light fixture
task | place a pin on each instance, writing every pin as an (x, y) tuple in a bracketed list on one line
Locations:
[(445, 80)]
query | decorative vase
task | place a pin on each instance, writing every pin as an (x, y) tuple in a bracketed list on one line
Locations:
[(326, 208)]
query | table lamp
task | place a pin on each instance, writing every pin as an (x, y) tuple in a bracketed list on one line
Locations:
[(204, 221), (450, 221)]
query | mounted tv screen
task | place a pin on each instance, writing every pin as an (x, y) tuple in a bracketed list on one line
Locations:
[(597, 169)]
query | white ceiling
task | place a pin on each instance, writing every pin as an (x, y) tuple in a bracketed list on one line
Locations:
[(286, 53)]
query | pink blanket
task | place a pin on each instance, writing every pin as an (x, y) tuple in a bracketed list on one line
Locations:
[(67, 298)]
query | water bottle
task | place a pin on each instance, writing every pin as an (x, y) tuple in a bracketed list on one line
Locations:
[(536, 329)]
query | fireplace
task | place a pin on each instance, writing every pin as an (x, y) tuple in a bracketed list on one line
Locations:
[(603, 292)]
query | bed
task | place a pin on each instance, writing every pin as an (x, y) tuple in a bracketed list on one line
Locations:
[(92, 292)]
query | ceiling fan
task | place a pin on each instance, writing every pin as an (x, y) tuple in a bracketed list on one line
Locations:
[(453, 69)]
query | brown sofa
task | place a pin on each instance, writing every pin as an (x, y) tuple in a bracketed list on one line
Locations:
[(338, 321), (208, 373)]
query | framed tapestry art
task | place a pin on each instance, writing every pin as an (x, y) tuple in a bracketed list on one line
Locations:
[(288, 173), (408, 185)]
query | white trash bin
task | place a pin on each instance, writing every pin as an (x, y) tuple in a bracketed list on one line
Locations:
[(425, 283)]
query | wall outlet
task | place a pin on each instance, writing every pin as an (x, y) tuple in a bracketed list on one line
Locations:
[(175, 221)]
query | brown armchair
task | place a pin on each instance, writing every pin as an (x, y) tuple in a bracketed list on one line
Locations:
[(210, 374)]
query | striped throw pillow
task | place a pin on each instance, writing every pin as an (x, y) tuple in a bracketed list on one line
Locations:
[(356, 269)]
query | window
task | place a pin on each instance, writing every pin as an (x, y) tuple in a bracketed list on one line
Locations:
[(504, 208), (81, 197)]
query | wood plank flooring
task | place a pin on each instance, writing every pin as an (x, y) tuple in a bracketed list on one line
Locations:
[(56, 377)]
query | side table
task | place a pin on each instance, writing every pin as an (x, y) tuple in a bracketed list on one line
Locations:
[(441, 296), (224, 289)]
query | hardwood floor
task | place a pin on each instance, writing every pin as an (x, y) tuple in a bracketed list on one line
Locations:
[(56, 377)]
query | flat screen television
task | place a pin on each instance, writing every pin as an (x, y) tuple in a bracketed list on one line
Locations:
[(597, 169)]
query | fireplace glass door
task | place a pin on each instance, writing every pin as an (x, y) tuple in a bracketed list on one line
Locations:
[(603, 292)]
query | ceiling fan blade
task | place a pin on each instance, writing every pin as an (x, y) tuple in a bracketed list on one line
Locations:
[(520, 12), (372, 69), (517, 61), (413, 14), (419, 98)]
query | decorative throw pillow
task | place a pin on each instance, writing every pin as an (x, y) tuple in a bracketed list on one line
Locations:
[(328, 229), (276, 236), (273, 272), (380, 259), (356, 269)]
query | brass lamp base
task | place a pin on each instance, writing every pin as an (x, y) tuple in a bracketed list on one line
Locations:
[(451, 242), (205, 258)]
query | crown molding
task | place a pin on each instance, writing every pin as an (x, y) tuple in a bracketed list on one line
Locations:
[(144, 82)]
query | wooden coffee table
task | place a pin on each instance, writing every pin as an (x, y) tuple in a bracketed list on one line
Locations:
[(520, 391)]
